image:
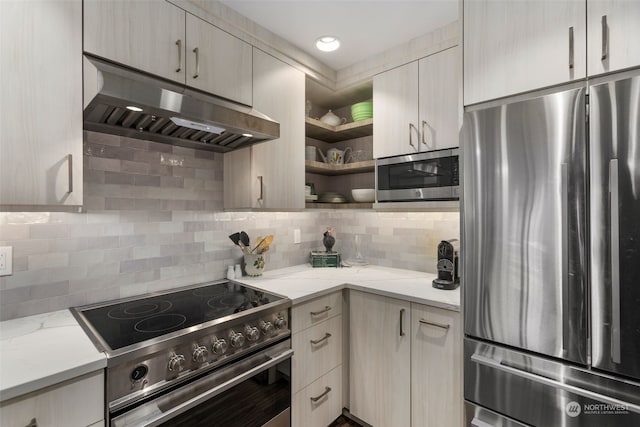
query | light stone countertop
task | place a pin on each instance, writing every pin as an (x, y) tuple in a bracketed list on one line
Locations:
[(43, 350), (303, 282), (46, 349)]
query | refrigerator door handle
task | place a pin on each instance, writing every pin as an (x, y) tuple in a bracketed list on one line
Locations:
[(497, 364), (615, 261), (564, 241)]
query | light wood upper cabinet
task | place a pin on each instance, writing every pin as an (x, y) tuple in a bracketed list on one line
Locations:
[(517, 46), (439, 81), (379, 359), (436, 367), (395, 111), (145, 34), (222, 63), (612, 41), (41, 103), (270, 175)]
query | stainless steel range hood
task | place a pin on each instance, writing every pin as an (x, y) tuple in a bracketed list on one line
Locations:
[(128, 103)]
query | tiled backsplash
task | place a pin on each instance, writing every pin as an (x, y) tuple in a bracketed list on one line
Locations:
[(154, 220)]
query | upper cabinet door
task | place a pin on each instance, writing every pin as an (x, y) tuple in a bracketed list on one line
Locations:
[(614, 32), (395, 112), (278, 165), (218, 62), (41, 103), (439, 77), (145, 34), (512, 47)]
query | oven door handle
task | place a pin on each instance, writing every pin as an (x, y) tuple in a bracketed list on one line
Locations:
[(158, 419)]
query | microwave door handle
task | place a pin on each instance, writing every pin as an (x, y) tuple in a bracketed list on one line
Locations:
[(615, 260)]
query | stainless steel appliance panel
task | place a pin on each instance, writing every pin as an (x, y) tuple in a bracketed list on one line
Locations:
[(477, 416), (540, 391), (524, 179), (615, 225)]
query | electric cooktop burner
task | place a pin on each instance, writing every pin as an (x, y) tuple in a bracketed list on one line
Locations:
[(131, 322)]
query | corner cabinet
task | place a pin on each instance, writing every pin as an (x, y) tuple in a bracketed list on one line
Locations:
[(512, 47), (78, 402), (270, 175), (416, 106), (613, 34), (41, 104), (415, 352), (160, 38)]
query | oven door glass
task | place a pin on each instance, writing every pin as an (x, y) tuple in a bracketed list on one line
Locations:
[(427, 173), (253, 392)]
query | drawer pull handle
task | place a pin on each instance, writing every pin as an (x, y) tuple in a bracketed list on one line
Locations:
[(32, 423), (317, 313), (324, 393), (438, 325), (326, 337)]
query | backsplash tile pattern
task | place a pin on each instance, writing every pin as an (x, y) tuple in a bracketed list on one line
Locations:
[(154, 220)]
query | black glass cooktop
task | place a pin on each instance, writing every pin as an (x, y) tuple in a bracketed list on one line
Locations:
[(126, 323)]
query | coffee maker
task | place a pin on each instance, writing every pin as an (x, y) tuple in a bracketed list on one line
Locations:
[(448, 273)]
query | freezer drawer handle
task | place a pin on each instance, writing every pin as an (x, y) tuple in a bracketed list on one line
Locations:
[(438, 325), (615, 261), (492, 363)]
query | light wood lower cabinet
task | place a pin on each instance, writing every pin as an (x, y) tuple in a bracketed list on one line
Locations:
[(379, 355), (75, 403), (318, 404), (436, 367)]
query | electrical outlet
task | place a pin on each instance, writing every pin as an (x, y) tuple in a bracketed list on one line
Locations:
[(6, 260), (296, 235)]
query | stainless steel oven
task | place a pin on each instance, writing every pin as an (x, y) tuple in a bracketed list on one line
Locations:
[(211, 354), (431, 175)]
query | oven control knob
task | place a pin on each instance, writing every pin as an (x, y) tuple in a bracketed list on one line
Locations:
[(267, 328), (236, 339), (252, 333), (281, 323), (219, 346), (176, 362), (200, 353)]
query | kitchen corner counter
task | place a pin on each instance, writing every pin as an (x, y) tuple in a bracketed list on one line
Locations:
[(303, 282), (43, 350)]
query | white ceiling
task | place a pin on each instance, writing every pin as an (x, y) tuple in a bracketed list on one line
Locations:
[(364, 27)]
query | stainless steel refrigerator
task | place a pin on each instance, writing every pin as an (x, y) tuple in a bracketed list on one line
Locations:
[(551, 257)]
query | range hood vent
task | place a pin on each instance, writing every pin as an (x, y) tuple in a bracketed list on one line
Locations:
[(128, 103)]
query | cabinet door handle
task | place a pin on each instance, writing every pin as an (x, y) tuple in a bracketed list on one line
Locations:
[(32, 423), (179, 44), (411, 126), (605, 38), (326, 337), (326, 391), (70, 172), (324, 310), (570, 48), (402, 322), (424, 122), (261, 189), (197, 52), (437, 325)]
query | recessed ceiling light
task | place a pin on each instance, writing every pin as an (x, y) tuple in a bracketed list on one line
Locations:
[(134, 108), (248, 135), (327, 43)]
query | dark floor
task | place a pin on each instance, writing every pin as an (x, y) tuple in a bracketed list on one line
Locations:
[(343, 421)]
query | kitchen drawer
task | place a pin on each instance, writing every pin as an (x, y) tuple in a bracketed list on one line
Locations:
[(311, 361), (319, 413), (315, 311), (79, 402)]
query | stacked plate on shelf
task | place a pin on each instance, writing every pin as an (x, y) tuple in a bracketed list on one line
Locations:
[(331, 197), (362, 111)]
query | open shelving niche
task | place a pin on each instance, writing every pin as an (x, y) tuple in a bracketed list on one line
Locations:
[(358, 135)]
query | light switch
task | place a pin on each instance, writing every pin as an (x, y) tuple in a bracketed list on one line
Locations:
[(6, 260), (296, 235)]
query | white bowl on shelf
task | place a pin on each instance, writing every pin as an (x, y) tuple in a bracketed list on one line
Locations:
[(364, 195)]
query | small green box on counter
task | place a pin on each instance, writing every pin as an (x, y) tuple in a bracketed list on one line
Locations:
[(324, 259)]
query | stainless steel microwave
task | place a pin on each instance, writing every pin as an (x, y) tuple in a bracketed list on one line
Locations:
[(431, 175)]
